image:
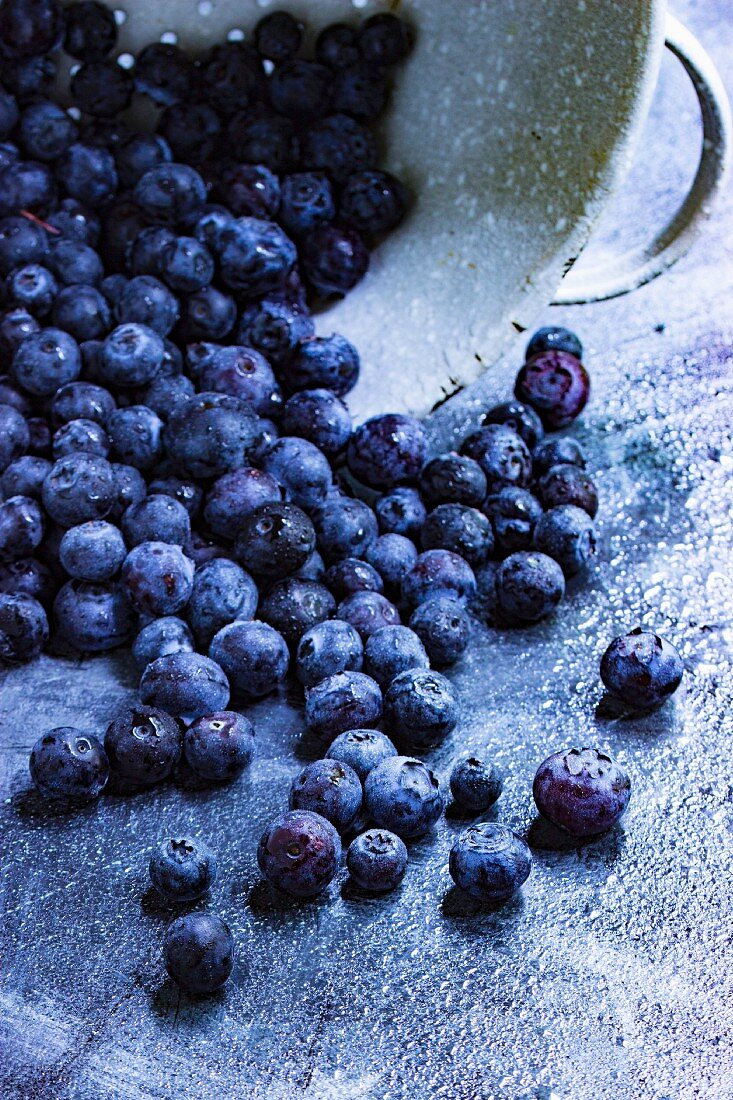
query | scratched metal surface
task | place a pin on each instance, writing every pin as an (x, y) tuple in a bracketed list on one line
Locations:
[(610, 976)]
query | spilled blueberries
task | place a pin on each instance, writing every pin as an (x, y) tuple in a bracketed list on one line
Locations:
[(179, 471)]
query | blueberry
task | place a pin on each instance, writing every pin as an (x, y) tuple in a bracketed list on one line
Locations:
[(387, 450), (520, 418), (326, 649), (14, 436), (128, 486), (306, 202), (22, 241), (421, 708), (261, 136), (222, 594), (80, 435), (464, 530), (582, 791), (164, 73), (157, 578), (67, 764), (144, 254), (337, 46), (442, 625), (253, 655), (300, 89), (199, 952), (146, 302), (165, 395), (27, 185), (294, 605), (192, 131), (275, 540), (183, 869), (368, 612), (362, 750), (489, 861), (76, 221), (514, 514), (83, 312), (554, 338), (29, 28), (320, 417), (392, 556), (401, 511), (209, 314), (401, 794), (135, 436), (372, 201), (32, 287), (475, 784), (188, 266), (377, 861), (330, 362), (211, 435), (453, 478), (131, 355), (529, 586), (91, 31), (93, 618), (93, 551), (29, 78), (359, 90), (502, 455), (244, 373), (278, 36), (392, 650), (219, 746), (24, 477), (557, 387), (157, 518), (185, 684), (160, 638), (557, 452), (351, 575), (299, 852), (568, 484), (641, 669), (334, 259), (46, 131), (79, 487), (170, 194), (138, 155), (255, 257), (438, 572), (384, 39), (233, 497), (232, 76), (23, 628), (567, 534), (88, 174), (302, 469), (249, 189), (27, 577), (274, 328), (46, 360), (346, 700), (329, 788)]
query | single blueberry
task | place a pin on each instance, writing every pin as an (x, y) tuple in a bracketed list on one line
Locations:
[(568, 484), (102, 89), (160, 638), (359, 90), (171, 194), (385, 39), (25, 476), (320, 417), (294, 605), (300, 89), (529, 586), (362, 750), (489, 862), (185, 684), (222, 593), (165, 395), (208, 314), (135, 435), (14, 437), (262, 136), (144, 301), (333, 259), (278, 36), (387, 450), (377, 861), (453, 479), (253, 655), (443, 626), (475, 784), (79, 487), (274, 328), (299, 853), (183, 869), (232, 76), (520, 418), (368, 611), (88, 174), (392, 556), (84, 313), (132, 354), (554, 338), (556, 385), (164, 73), (93, 618), (372, 201), (302, 469), (255, 257), (275, 540), (421, 708), (337, 46), (514, 514), (438, 572), (403, 795), (32, 287), (251, 190), (23, 628), (138, 155), (401, 511), (46, 360), (557, 452), (243, 373), (67, 764), (346, 700), (567, 534), (76, 221), (328, 788), (157, 518), (502, 455), (219, 746), (27, 577), (93, 551), (392, 650), (641, 668), (199, 952), (464, 530), (233, 497), (582, 791), (328, 648), (328, 362), (350, 575), (157, 578), (306, 202), (80, 435), (211, 434)]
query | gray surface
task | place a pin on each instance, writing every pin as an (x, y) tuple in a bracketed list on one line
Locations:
[(610, 977)]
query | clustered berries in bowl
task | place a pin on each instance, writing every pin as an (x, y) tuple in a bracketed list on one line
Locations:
[(179, 471)]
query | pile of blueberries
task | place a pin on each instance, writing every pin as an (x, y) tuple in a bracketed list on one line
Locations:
[(179, 470)]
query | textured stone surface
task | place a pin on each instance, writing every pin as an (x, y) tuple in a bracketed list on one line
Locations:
[(609, 978)]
